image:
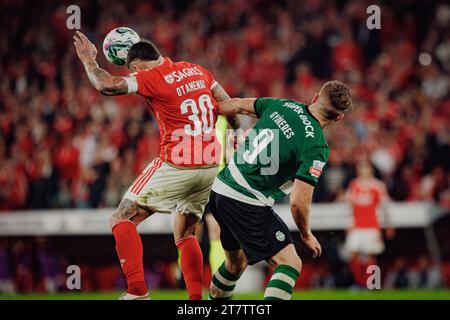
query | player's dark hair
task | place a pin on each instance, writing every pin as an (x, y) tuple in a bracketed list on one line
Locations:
[(143, 50)]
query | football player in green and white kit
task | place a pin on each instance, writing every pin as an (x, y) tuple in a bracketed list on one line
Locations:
[(284, 153)]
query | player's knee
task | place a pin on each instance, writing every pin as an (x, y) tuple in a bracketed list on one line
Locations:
[(214, 231), (293, 261), (131, 213), (297, 264), (213, 227), (116, 218), (185, 226)]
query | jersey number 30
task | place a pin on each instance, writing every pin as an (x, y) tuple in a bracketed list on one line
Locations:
[(202, 116)]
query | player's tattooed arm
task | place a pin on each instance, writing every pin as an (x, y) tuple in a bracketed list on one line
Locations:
[(301, 198), (101, 79), (220, 95), (236, 106)]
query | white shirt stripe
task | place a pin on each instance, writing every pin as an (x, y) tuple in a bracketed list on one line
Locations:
[(224, 189), (239, 178)]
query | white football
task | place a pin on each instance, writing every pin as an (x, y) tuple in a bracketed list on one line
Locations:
[(117, 43)]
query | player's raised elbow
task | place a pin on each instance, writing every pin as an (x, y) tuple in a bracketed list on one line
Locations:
[(102, 87), (112, 86), (107, 91)]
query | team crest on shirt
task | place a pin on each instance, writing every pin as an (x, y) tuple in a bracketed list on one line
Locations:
[(169, 78), (316, 169), (280, 236)]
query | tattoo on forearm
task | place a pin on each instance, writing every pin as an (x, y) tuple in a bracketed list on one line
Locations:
[(96, 76), (103, 81), (219, 93)]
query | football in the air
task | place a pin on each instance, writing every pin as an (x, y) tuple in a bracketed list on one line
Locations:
[(117, 43)]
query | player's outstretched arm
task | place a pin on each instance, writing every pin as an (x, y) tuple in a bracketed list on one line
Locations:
[(101, 79), (301, 197), (219, 94), (236, 106)]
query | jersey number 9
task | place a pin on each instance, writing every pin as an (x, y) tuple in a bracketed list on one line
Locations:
[(202, 116)]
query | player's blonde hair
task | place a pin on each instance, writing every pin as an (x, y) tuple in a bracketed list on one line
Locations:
[(337, 99)]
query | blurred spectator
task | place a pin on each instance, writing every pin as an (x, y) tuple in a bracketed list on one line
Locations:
[(64, 145), (6, 274), (398, 277), (51, 269), (426, 275)]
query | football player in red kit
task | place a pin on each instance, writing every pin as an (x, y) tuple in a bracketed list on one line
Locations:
[(364, 241), (183, 98)]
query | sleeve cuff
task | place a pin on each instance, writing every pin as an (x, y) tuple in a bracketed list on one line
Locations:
[(132, 84), (213, 84), (254, 107), (308, 181)]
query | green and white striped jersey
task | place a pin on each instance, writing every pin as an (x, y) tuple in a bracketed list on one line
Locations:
[(286, 143)]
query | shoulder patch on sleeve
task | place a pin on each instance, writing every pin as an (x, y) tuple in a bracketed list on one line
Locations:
[(316, 169)]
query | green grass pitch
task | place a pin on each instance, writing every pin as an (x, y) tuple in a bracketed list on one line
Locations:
[(298, 295)]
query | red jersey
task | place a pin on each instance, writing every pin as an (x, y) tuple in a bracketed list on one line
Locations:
[(179, 95), (365, 197)]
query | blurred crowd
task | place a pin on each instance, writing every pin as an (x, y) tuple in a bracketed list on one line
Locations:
[(62, 144), (39, 264)]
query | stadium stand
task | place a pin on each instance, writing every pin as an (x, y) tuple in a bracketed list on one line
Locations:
[(62, 145)]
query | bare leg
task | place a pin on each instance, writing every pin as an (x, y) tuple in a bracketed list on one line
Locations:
[(287, 256), (184, 226), (216, 253)]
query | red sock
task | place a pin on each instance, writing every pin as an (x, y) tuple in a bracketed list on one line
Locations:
[(191, 266), (129, 250), (355, 269)]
